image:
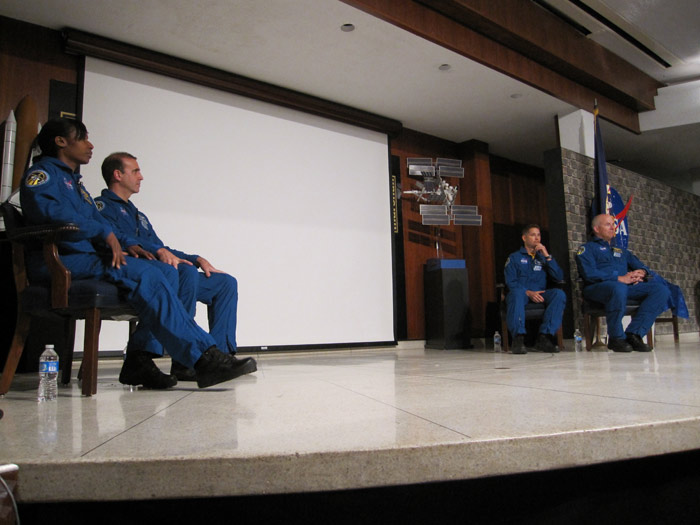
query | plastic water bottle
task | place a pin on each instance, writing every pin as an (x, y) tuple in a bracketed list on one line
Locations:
[(48, 375), (578, 341), (497, 342)]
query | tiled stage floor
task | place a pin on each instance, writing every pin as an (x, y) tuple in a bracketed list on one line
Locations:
[(350, 419)]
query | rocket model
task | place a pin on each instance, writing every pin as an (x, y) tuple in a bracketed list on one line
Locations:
[(8, 156)]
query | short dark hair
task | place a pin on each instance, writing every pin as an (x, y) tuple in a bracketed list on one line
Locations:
[(114, 161), (58, 127), (528, 227)]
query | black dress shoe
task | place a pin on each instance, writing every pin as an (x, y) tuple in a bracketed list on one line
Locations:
[(216, 367), (251, 366), (637, 344), (139, 369), (518, 346), (182, 372), (619, 345), (544, 344), (188, 374)]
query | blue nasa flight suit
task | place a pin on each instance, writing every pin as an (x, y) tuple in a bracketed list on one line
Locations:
[(524, 272), (219, 291), (600, 264), (51, 192)]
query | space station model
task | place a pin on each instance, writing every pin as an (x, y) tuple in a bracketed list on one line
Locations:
[(436, 196)]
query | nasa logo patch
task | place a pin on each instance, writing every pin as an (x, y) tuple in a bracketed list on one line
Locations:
[(100, 205), (37, 178)]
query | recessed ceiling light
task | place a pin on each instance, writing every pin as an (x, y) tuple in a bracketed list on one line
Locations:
[(516, 95), (444, 67), (346, 28)]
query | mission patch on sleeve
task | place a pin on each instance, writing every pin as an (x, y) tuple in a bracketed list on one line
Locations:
[(37, 178)]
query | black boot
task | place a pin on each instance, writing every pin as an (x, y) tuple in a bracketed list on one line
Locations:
[(619, 345), (518, 346), (544, 344), (216, 367), (139, 369), (637, 344), (182, 372)]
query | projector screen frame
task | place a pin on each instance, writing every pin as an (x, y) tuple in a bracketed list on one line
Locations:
[(393, 272)]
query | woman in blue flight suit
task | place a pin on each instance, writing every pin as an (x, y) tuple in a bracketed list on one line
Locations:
[(51, 191)]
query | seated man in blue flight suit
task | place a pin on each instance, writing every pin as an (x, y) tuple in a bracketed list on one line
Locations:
[(526, 277), (611, 275), (51, 192), (216, 289)]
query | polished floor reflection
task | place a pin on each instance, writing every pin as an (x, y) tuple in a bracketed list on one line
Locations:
[(353, 418)]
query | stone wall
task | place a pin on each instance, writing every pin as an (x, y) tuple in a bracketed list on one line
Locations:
[(664, 227)]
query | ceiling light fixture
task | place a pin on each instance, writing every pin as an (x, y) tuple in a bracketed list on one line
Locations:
[(347, 28), (516, 95), (444, 67)]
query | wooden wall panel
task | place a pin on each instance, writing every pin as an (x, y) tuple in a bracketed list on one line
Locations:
[(479, 241), (30, 57), (530, 206), (525, 187), (508, 195), (502, 198), (419, 240)]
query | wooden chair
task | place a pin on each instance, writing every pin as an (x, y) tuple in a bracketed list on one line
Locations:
[(592, 310), (533, 311), (92, 300)]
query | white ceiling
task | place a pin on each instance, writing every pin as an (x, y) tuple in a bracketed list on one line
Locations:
[(380, 68)]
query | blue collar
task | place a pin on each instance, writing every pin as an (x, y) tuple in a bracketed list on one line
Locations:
[(110, 195)]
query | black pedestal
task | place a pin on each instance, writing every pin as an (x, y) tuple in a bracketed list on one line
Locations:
[(447, 315)]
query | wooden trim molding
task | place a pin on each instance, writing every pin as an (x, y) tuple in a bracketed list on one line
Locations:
[(450, 33), (541, 36), (87, 44)]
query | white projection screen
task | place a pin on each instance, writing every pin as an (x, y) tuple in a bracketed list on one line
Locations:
[(295, 206)]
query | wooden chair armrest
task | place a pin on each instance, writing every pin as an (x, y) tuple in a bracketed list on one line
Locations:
[(500, 292), (41, 232), (60, 275), (49, 235)]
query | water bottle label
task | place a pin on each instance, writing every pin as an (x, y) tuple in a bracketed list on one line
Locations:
[(48, 367)]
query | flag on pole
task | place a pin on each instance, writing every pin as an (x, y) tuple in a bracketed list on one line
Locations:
[(601, 199)]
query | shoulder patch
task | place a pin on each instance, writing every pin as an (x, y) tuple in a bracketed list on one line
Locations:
[(581, 249), (144, 221), (100, 205), (36, 178)]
